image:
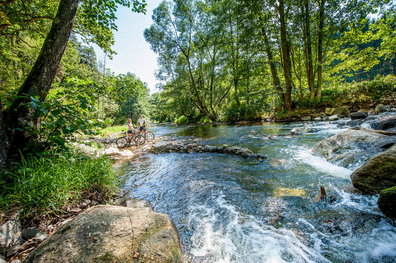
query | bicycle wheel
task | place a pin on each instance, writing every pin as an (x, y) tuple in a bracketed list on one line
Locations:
[(122, 142), (139, 140), (149, 136)]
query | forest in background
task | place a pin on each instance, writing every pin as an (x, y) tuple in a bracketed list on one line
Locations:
[(237, 60)]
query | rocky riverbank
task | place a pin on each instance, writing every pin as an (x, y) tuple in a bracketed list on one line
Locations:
[(372, 147)]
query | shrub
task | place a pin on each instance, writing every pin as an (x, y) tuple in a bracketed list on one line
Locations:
[(181, 120), (43, 184)]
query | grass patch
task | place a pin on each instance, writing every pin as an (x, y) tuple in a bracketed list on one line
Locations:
[(44, 184), (111, 130)]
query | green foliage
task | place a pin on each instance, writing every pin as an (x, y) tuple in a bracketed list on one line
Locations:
[(44, 184), (181, 120), (64, 113), (380, 87)]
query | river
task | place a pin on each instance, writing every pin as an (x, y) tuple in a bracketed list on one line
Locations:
[(231, 209)]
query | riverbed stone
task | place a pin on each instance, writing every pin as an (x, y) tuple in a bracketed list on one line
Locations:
[(387, 202), (316, 115), (10, 232), (107, 233), (380, 108), (29, 233), (306, 118), (333, 118), (353, 147), (297, 130), (378, 173), (359, 115), (385, 123), (317, 119), (329, 111), (344, 111)]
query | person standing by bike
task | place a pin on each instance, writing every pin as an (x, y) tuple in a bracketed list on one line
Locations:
[(142, 123), (130, 128)]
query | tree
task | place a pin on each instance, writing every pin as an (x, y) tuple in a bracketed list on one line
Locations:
[(97, 19)]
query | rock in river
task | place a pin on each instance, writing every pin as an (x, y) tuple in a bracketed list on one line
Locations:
[(387, 202), (378, 173), (107, 233), (354, 146), (342, 111), (359, 115)]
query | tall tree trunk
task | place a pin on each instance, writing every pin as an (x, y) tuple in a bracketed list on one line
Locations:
[(308, 49), (320, 49), (40, 78), (234, 55), (271, 61), (287, 67)]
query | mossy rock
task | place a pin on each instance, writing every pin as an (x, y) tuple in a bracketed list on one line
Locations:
[(112, 234), (378, 173), (342, 111), (387, 202)]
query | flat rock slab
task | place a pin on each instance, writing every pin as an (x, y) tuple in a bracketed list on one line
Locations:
[(107, 233)]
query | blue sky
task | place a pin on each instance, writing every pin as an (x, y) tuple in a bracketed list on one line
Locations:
[(133, 52)]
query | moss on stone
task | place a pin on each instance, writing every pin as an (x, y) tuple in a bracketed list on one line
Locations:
[(387, 202)]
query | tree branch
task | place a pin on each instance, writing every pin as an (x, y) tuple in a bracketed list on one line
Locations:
[(6, 2)]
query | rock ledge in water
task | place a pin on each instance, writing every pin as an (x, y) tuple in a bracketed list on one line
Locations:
[(356, 145), (195, 147), (107, 233)]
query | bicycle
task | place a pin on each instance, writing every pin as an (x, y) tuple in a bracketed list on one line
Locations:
[(149, 136), (123, 141)]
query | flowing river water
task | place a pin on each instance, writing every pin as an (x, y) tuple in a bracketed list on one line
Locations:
[(231, 209)]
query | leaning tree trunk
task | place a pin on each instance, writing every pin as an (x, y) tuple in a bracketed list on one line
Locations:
[(40, 78)]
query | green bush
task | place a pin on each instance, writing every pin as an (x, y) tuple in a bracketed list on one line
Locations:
[(43, 184), (181, 120), (242, 112)]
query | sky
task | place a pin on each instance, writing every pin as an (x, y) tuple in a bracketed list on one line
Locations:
[(133, 52)]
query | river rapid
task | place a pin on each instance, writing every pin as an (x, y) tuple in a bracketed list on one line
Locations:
[(231, 209)]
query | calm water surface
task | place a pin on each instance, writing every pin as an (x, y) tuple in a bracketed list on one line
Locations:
[(230, 209)]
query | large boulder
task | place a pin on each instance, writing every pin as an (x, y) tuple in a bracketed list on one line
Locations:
[(342, 111), (387, 202), (107, 233), (354, 146), (378, 173)]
